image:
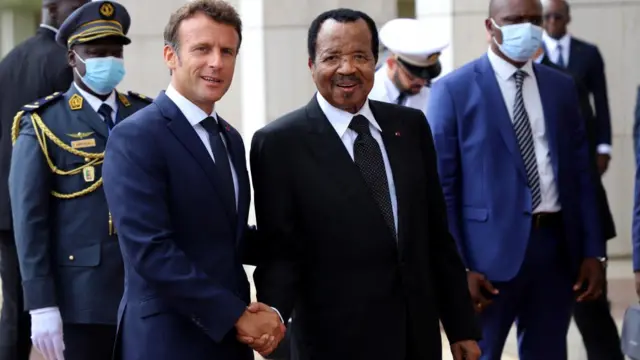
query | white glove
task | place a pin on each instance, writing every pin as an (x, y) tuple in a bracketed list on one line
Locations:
[(46, 332)]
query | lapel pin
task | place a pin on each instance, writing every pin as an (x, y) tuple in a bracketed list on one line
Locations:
[(397, 133), (226, 127)]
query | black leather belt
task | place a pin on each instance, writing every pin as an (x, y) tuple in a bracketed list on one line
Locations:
[(546, 219)]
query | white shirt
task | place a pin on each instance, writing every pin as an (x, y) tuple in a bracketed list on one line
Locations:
[(195, 115), (49, 27), (95, 102), (554, 46), (340, 121), (532, 103), (386, 91)]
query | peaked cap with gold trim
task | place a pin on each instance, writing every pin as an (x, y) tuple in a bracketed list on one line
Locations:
[(413, 44), (95, 20)]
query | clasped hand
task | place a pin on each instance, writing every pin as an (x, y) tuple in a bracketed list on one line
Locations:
[(261, 328)]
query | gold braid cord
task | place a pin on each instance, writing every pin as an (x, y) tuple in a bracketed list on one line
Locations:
[(42, 134)]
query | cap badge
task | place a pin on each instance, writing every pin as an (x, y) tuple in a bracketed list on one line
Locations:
[(107, 10)]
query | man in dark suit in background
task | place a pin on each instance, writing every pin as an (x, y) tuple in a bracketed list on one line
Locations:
[(176, 182), (32, 70), (351, 210), (584, 61)]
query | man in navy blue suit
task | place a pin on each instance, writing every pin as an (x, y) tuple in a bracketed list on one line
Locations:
[(513, 163), (177, 185)]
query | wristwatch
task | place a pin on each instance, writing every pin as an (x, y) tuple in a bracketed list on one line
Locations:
[(603, 260)]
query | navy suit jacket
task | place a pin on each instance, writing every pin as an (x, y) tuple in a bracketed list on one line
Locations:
[(483, 175), (586, 64), (185, 286)]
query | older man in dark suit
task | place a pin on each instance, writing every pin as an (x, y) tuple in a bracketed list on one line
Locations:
[(350, 205)]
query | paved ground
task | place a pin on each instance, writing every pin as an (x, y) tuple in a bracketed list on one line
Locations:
[(621, 294)]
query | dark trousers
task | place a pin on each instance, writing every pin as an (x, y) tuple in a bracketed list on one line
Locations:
[(84, 342), (539, 299), (598, 329), (15, 323)]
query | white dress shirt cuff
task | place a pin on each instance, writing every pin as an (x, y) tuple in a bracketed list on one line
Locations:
[(44, 310), (604, 149), (278, 312)]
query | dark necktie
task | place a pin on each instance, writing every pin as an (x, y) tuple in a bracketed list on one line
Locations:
[(105, 111), (221, 157), (524, 137), (368, 157), (560, 61), (401, 98)]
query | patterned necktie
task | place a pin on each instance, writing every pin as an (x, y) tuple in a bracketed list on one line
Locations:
[(560, 61), (524, 137), (221, 157), (368, 157), (105, 111)]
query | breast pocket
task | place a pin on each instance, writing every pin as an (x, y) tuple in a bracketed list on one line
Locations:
[(87, 256), (76, 175)]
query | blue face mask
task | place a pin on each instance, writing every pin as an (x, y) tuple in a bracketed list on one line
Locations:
[(519, 41), (102, 75)]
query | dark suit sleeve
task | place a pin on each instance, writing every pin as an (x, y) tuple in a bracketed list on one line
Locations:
[(455, 305), (441, 115), (29, 189), (135, 183), (597, 85), (594, 245), (276, 276)]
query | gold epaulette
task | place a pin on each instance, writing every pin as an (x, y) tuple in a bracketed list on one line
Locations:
[(140, 96), (43, 133)]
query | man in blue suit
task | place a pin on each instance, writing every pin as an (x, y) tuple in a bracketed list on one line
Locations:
[(176, 182), (512, 156)]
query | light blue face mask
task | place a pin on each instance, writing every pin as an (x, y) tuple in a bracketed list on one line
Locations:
[(103, 74), (519, 41)]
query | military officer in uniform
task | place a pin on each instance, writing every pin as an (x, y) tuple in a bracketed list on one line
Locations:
[(413, 63), (68, 250)]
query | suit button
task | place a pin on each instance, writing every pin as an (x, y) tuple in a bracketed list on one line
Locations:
[(71, 258)]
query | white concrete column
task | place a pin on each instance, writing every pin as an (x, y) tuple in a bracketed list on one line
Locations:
[(15, 27), (458, 22)]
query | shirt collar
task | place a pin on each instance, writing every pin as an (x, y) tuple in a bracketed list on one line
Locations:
[(392, 90), (341, 119), (49, 27), (95, 102), (552, 44), (504, 69), (191, 111)]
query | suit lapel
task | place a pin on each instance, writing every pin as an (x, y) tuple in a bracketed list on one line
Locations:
[(236, 151), (497, 111), (184, 132), (549, 106), (574, 56), (327, 147), (392, 130), (81, 109), (330, 152)]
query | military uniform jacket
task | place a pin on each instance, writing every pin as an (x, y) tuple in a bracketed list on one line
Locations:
[(67, 246), (384, 90)]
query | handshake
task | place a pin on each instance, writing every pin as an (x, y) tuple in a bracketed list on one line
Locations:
[(261, 328)]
